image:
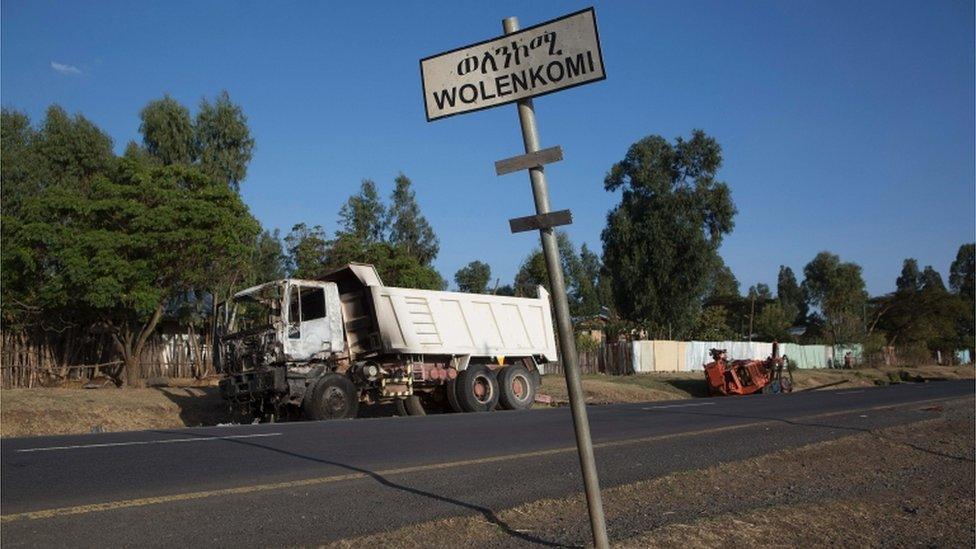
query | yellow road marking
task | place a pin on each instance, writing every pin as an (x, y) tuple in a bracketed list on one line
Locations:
[(189, 496)]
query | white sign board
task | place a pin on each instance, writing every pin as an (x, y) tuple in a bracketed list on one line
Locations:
[(541, 59)]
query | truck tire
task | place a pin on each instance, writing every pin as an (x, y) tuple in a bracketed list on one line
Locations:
[(333, 396), (477, 389), (410, 406), (452, 399), (516, 388)]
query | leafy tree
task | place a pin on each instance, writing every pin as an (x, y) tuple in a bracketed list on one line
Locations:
[(408, 228), (773, 323), (223, 140), (932, 280), (268, 259), (722, 282), (307, 251), (65, 151), (921, 313), (761, 293), (473, 277), (962, 273), (910, 279), (18, 163), (712, 324), (790, 295), (577, 277), (167, 131), (531, 274), (591, 285), (661, 241), (507, 290), (69, 150), (399, 268), (837, 289), (134, 241), (962, 280), (363, 216)]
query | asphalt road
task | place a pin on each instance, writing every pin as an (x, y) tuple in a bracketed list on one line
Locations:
[(314, 482)]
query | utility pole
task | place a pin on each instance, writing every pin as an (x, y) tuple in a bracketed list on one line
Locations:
[(564, 325)]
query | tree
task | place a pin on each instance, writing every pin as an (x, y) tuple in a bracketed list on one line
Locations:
[(592, 289), (307, 251), (18, 163), (69, 150), (363, 216), (790, 295), (712, 324), (962, 280), (773, 323), (661, 241), (134, 241), (167, 132), (408, 228), (532, 273), (722, 282), (507, 290), (473, 277), (932, 280), (910, 280), (64, 152), (223, 140), (761, 293), (582, 275), (962, 272), (837, 289), (398, 268), (920, 314), (268, 258)]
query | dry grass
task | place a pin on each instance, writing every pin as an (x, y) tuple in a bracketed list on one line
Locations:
[(31, 412)]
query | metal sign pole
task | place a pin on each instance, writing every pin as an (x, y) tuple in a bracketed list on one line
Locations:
[(564, 325)]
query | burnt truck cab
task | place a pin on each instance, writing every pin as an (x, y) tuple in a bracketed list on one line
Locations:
[(270, 337)]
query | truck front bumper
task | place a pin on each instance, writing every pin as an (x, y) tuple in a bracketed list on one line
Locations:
[(246, 386)]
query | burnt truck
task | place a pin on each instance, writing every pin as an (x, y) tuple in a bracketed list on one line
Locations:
[(319, 349)]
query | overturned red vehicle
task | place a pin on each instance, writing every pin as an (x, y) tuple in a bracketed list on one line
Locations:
[(745, 377)]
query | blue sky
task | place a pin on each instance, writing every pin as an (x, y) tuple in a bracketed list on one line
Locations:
[(846, 126)]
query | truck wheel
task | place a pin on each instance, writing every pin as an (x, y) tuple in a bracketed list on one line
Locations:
[(516, 388), (333, 396), (477, 389), (410, 406), (452, 399)]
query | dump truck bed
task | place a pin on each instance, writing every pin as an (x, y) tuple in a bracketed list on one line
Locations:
[(389, 320), (430, 322)]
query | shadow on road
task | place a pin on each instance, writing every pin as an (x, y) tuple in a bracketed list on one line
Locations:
[(488, 514)]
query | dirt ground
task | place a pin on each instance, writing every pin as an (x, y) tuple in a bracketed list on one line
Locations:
[(47, 411), (911, 485)]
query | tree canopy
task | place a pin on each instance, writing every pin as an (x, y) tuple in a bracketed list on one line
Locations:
[(836, 290), (661, 241), (409, 229), (473, 277)]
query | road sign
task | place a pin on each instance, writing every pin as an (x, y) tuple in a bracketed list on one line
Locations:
[(541, 221), (516, 67), (541, 59), (531, 160)]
